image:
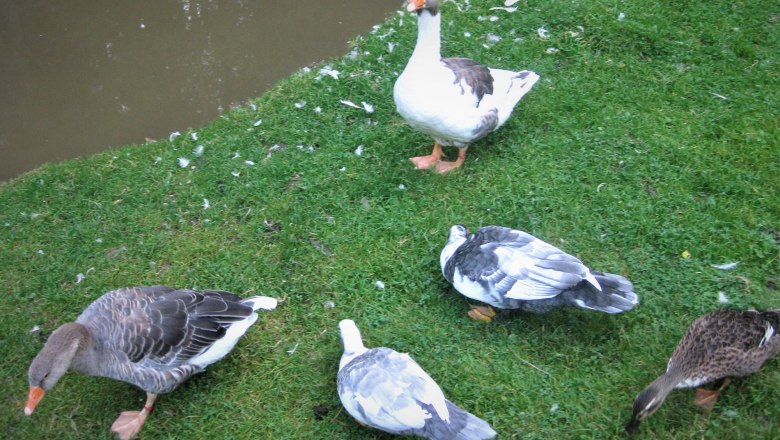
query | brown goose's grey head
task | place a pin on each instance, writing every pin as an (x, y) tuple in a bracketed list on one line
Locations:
[(646, 403), (53, 361), (431, 6)]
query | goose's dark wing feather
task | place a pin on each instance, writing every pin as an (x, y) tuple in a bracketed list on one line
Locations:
[(160, 325)]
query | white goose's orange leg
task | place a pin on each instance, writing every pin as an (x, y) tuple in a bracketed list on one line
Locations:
[(443, 167), (129, 423), (430, 161)]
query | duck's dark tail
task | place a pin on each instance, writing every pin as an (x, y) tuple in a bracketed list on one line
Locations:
[(616, 294)]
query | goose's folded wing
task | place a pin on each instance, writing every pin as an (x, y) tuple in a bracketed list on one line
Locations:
[(535, 269), (162, 326), (393, 392)]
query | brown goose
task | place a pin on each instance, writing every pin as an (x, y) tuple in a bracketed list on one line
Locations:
[(726, 343), (152, 337)]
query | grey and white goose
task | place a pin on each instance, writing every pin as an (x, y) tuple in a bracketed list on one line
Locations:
[(723, 344), (457, 101), (511, 269), (387, 390), (152, 337)]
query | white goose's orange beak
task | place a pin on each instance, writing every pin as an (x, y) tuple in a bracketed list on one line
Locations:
[(413, 5), (35, 396)]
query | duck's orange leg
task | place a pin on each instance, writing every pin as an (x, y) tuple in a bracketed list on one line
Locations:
[(706, 399)]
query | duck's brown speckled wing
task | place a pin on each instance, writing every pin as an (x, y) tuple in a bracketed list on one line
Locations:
[(727, 343)]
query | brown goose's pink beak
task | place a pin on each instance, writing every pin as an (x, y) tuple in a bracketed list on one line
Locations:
[(35, 396)]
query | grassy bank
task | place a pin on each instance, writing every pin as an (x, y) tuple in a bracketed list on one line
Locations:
[(649, 148)]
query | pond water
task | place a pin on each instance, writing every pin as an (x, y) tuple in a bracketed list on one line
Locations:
[(79, 76)]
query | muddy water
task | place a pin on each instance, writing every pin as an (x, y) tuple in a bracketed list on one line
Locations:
[(79, 76)]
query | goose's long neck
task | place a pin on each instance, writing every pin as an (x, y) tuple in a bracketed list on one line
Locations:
[(428, 36)]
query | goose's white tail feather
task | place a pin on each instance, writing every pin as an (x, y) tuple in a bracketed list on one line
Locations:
[(261, 302), (223, 346)]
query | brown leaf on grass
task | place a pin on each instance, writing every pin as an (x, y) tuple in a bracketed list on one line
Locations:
[(321, 247)]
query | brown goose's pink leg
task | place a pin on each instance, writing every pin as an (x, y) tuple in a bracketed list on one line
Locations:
[(430, 161), (129, 423)]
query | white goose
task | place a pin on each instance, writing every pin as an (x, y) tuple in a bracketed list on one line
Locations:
[(455, 100)]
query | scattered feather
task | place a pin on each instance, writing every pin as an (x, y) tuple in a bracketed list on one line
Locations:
[(349, 103), (379, 285), (467, 34), (35, 329), (34, 215), (726, 266), (236, 155), (719, 96), (390, 47), (367, 107), (492, 38), (292, 350), (157, 159), (206, 204), (507, 9), (318, 109), (552, 50), (300, 104), (542, 32), (329, 304), (98, 240), (510, 2), (342, 169), (328, 71), (235, 173), (39, 252), (359, 150), (81, 276), (402, 187), (198, 151), (731, 413), (194, 136), (601, 185), (621, 16), (554, 408), (722, 298), (493, 18), (173, 135), (184, 162), (249, 162), (257, 123)]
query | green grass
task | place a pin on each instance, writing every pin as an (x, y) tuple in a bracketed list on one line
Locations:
[(624, 154)]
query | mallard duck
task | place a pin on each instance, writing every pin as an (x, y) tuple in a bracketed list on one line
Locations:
[(510, 269), (723, 344), (455, 100), (388, 391), (152, 337)]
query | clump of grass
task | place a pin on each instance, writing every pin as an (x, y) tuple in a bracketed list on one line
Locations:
[(649, 137)]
